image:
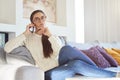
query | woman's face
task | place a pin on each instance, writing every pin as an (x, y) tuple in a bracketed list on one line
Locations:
[(39, 20)]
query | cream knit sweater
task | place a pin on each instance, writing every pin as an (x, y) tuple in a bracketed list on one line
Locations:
[(34, 44)]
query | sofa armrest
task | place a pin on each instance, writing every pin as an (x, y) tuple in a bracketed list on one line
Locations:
[(29, 73)]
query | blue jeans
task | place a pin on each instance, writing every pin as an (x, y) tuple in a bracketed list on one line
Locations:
[(73, 62), (67, 53)]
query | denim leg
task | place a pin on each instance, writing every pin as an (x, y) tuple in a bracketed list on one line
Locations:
[(59, 73), (77, 67), (86, 69), (68, 53)]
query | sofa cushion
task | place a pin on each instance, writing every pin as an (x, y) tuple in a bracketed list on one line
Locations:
[(108, 57), (106, 45), (96, 56), (2, 56), (116, 44), (114, 54), (21, 53)]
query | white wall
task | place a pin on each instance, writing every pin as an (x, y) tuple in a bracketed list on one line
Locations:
[(65, 24)]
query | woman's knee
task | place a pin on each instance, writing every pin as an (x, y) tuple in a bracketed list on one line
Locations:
[(67, 47), (74, 63)]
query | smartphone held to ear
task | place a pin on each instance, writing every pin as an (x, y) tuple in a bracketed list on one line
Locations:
[(32, 29)]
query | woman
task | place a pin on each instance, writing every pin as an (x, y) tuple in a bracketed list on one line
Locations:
[(50, 55)]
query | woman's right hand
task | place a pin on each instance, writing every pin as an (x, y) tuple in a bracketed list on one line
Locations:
[(27, 31)]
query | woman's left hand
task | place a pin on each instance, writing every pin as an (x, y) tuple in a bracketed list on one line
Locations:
[(47, 32)]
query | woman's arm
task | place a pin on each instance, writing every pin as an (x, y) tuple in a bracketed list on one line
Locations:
[(14, 43), (18, 41)]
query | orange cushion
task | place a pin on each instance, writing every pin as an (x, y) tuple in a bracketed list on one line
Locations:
[(117, 50), (114, 54)]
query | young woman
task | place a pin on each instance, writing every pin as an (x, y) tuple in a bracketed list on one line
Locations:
[(50, 55)]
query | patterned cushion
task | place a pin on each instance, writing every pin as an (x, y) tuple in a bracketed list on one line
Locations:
[(108, 57), (114, 54), (96, 56)]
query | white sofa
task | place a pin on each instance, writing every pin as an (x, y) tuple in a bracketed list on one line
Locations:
[(14, 68)]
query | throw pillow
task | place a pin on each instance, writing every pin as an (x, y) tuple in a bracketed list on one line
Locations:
[(114, 54), (108, 57), (21, 53), (117, 50), (96, 56), (85, 56)]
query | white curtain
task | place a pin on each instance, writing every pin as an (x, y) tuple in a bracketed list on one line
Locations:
[(102, 20)]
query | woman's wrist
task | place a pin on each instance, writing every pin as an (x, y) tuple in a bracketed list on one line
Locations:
[(26, 33)]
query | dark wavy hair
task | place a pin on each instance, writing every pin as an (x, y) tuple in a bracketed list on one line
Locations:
[(47, 49)]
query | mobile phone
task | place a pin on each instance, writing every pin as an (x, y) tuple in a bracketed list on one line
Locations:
[(32, 29)]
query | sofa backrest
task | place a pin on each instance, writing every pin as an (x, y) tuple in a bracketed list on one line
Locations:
[(95, 43)]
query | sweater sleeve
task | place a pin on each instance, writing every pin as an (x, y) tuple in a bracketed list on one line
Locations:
[(56, 44), (14, 43)]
